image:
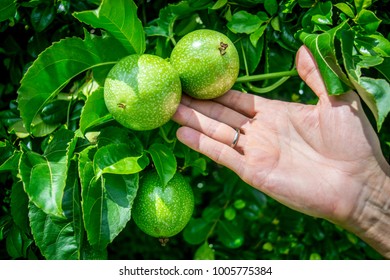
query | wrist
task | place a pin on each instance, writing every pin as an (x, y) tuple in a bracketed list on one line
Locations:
[(371, 221)]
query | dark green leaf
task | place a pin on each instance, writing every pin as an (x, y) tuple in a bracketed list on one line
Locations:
[(164, 160), (7, 9), (56, 66), (14, 243), (197, 231), (94, 112), (19, 207), (244, 22), (120, 19), (55, 111), (373, 44), (271, 6), (42, 16), (44, 176), (252, 54), (230, 235), (9, 157)]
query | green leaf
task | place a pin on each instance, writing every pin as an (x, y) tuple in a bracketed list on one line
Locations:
[(118, 159), (271, 6), (244, 22), (373, 44), (9, 157), (44, 176), (204, 252), (120, 19), (374, 92), (230, 235), (368, 21), (362, 4), (164, 160), (323, 49), (319, 16), (197, 231), (57, 65), (219, 4), (346, 8), (60, 239), (7, 9), (106, 201), (94, 112), (19, 207), (41, 16)]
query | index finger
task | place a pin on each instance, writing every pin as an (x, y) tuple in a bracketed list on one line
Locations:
[(244, 103)]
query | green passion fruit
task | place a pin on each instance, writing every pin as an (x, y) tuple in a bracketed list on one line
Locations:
[(142, 92), (163, 211), (207, 62)]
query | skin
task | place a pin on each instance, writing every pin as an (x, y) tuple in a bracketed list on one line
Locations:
[(323, 160)]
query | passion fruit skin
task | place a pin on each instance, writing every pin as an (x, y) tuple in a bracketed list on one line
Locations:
[(142, 92), (207, 62), (163, 211)]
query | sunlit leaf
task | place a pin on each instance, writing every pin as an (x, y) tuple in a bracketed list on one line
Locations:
[(120, 19), (164, 160), (57, 65), (44, 176)]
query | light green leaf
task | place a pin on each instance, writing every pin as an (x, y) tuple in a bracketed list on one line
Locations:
[(7, 9), (60, 239), (94, 112), (106, 201), (44, 176), (368, 21), (323, 49), (362, 4), (374, 92), (204, 252), (244, 22), (118, 159), (164, 160), (346, 8), (219, 4), (119, 18), (57, 65)]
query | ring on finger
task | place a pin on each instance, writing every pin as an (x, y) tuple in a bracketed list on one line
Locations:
[(235, 138)]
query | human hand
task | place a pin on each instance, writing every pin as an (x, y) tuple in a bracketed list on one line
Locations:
[(323, 160)]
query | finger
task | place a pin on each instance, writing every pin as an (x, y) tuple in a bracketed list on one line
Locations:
[(309, 72), (219, 131), (217, 151), (244, 103), (216, 111)]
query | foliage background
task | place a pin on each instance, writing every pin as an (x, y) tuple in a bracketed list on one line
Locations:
[(231, 219)]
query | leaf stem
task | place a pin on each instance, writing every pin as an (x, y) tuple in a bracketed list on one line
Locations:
[(261, 77), (268, 88)]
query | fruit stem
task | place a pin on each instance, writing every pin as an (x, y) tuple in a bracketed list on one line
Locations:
[(260, 77)]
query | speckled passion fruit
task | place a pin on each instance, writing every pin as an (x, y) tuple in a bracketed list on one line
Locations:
[(163, 211), (207, 62), (142, 92)]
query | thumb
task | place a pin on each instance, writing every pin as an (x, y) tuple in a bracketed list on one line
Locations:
[(309, 72)]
